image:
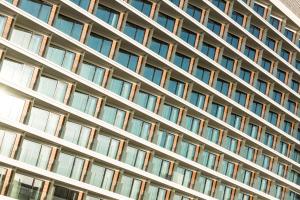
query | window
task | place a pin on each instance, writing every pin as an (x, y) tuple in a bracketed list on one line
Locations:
[(170, 112), (268, 139), (266, 64), (240, 97), (135, 32), (231, 144), (266, 161), (212, 134), (99, 43), (64, 193), (120, 87), (159, 47), (250, 52), (197, 99), (263, 184), (60, 56), (254, 30), (214, 26), (25, 187), (203, 74), (108, 15), (166, 21), (222, 86), (217, 110), (297, 64), (127, 59), (91, 72), (142, 5), (76, 133), (188, 36), (227, 63), (182, 61), (226, 194), (233, 40), (194, 12), (84, 102), (277, 96), (274, 22), (153, 74), (52, 88), (289, 34), (146, 100), (106, 145), (245, 75), (82, 3), (11, 107), (2, 23), (100, 176), (192, 124), (68, 26), (139, 128), (176, 87), (208, 159), (204, 185), (69, 165), (295, 86), (165, 139), (16, 72), (281, 75), (246, 176), (237, 17), (252, 130), (261, 86), (7, 141), (249, 153), (272, 118), (130, 187), (134, 157), (294, 176), (187, 150), (160, 167), (220, 4), (257, 108), (43, 120), (270, 43), (37, 8), (176, 2), (114, 116), (285, 54), (291, 106), (34, 154), (259, 9), (235, 121), (156, 193), (284, 148), (182, 176), (26, 39), (208, 50), (281, 168)]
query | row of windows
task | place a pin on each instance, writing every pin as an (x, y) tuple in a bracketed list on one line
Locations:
[(67, 164)]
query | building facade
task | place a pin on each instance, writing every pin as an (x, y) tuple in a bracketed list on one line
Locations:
[(152, 100)]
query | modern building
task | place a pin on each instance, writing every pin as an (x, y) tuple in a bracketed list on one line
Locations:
[(149, 100)]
